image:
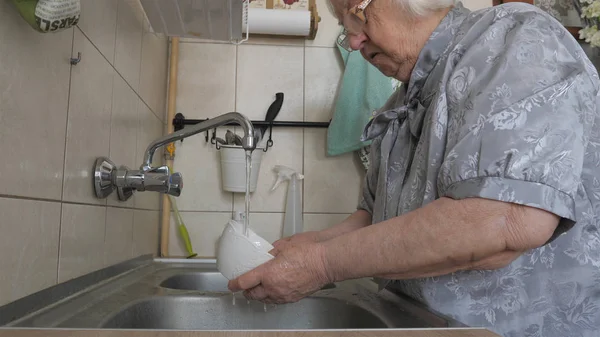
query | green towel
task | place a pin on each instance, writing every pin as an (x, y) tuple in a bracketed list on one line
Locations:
[(364, 89)]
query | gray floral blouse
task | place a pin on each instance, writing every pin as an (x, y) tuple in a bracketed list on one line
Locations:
[(502, 104)]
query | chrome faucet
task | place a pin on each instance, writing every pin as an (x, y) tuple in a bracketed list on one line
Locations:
[(107, 176)]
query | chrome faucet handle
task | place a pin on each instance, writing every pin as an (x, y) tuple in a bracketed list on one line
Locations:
[(104, 170), (160, 179), (160, 170), (175, 184)]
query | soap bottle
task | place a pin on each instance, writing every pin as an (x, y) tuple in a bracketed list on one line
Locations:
[(292, 222)]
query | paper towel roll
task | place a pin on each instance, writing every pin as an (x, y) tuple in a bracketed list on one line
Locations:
[(278, 22)]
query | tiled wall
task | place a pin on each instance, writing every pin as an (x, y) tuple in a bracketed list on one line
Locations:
[(217, 78), (55, 120), (477, 4)]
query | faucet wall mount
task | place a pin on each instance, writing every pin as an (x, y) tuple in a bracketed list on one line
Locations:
[(108, 178)]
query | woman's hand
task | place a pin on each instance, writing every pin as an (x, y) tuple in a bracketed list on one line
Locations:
[(296, 272), (306, 237)]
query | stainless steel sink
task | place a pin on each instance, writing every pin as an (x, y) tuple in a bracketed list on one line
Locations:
[(219, 313), (204, 281), (192, 295), (201, 281)]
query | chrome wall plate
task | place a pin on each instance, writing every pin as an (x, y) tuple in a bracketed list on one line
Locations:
[(103, 177)]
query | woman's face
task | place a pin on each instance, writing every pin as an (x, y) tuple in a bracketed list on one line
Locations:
[(392, 39)]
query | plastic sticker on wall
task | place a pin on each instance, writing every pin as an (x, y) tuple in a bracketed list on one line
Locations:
[(49, 15), (258, 4), (290, 4)]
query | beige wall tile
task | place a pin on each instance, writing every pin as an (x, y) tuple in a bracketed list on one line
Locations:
[(88, 130), (268, 225), (118, 239), (34, 91), (328, 28), (81, 240), (29, 247), (323, 75), (266, 70), (43, 139), (128, 48), (150, 128), (331, 184), (318, 222), (196, 40), (287, 151), (256, 39), (274, 41), (124, 122), (145, 232), (206, 79), (204, 230), (153, 74), (200, 164), (99, 23), (477, 4)]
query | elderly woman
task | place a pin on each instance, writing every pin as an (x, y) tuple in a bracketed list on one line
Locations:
[(483, 196)]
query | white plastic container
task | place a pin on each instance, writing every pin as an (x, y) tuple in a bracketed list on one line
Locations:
[(292, 221), (233, 168)]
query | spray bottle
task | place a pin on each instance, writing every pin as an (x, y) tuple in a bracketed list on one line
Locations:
[(292, 222)]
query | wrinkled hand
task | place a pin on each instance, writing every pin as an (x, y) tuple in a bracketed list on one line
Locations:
[(296, 239), (296, 272)]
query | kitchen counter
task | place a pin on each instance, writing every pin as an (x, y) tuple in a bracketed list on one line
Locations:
[(166, 297)]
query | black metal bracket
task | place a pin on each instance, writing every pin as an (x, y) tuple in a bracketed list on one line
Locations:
[(179, 122), (74, 61)]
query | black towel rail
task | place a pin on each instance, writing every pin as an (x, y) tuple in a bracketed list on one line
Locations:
[(179, 122)]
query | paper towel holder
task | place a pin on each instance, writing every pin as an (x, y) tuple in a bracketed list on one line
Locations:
[(314, 19), (313, 28)]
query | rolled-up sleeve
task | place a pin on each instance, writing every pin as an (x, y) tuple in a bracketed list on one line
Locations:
[(519, 123), (528, 152)]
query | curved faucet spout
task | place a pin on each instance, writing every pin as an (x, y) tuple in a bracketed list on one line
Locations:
[(248, 142)]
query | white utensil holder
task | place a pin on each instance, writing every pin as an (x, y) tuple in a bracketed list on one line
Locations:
[(233, 168)]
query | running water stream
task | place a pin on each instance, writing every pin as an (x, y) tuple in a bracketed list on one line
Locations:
[(247, 200), (248, 171)]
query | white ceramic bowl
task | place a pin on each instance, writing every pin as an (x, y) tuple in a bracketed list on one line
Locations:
[(238, 254)]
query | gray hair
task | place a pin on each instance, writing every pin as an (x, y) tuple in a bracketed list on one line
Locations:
[(416, 7)]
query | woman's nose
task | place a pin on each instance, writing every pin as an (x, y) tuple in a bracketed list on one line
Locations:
[(357, 41)]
